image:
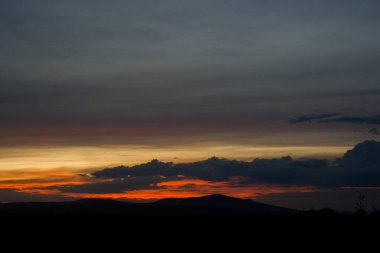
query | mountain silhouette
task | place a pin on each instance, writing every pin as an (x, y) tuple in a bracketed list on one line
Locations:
[(224, 203), (212, 204), (211, 214)]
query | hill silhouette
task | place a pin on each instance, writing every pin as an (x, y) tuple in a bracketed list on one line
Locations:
[(213, 214), (219, 202), (212, 204)]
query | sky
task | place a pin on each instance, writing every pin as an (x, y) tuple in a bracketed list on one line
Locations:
[(87, 85)]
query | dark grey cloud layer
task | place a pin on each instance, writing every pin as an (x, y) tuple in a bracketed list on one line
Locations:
[(312, 117), (374, 120), (339, 118), (12, 195), (335, 117), (181, 61), (116, 185), (359, 167)]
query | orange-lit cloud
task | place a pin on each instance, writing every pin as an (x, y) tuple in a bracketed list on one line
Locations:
[(200, 189), (169, 189), (245, 179)]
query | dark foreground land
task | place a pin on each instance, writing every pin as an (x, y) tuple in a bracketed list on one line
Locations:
[(211, 219)]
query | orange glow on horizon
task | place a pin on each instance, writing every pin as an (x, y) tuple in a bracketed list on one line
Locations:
[(171, 189), (16, 161), (240, 192)]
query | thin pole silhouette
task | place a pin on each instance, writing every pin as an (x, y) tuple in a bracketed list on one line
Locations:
[(360, 204)]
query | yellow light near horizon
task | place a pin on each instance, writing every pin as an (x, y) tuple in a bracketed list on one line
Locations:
[(91, 158)]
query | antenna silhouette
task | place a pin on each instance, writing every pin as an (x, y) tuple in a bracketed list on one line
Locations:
[(360, 204)]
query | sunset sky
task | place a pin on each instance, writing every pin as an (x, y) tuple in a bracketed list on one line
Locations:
[(89, 85)]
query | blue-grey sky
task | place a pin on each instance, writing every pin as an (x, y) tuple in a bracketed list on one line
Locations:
[(180, 60)]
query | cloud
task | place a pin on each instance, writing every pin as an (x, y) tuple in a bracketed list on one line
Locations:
[(12, 195), (359, 167), (374, 131), (190, 63), (372, 120), (311, 117), (333, 118), (154, 167), (115, 185)]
